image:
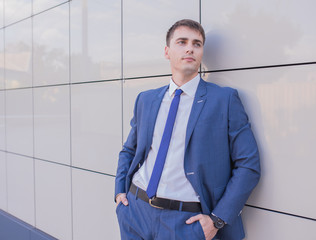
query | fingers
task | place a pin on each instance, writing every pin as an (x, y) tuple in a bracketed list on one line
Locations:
[(194, 219), (125, 201), (122, 198)]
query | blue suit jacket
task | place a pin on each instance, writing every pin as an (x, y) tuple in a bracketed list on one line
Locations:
[(220, 151)]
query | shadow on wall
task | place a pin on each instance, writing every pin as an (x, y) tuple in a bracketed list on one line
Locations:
[(243, 40), (279, 101)]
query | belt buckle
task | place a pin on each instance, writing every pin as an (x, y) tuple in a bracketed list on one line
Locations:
[(151, 204)]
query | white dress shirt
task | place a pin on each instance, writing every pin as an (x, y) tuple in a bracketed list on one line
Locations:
[(173, 183)]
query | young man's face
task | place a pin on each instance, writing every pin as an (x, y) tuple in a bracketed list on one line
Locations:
[(185, 51)]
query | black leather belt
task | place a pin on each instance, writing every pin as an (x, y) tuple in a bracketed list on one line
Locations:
[(163, 203)]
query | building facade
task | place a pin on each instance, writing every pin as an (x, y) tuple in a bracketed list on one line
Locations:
[(71, 70)]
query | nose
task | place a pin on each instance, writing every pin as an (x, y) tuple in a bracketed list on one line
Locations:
[(189, 49)]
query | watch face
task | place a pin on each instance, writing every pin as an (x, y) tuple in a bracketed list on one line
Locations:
[(219, 223)]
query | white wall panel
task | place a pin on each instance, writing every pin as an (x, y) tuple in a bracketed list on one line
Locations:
[(53, 199), (3, 182), (131, 89), (263, 225), (93, 206), (1, 13), (51, 46), (19, 121), (281, 106), (252, 33), (145, 27), (95, 40), (52, 124), (16, 10), (1, 57), (2, 121), (42, 5), (18, 55), (96, 125), (20, 182)]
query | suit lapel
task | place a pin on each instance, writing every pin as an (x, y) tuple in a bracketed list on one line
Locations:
[(152, 116), (197, 106)]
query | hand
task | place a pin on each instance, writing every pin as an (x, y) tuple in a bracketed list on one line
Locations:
[(206, 223), (121, 197)]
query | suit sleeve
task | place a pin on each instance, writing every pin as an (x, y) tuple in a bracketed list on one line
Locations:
[(127, 154), (244, 159)]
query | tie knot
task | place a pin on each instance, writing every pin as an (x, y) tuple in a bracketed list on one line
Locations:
[(178, 92)]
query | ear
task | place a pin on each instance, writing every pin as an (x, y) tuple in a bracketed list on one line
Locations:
[(167, 52)]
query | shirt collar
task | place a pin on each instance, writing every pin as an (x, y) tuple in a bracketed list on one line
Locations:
[(188, 88)]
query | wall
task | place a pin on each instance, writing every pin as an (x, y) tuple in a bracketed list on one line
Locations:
[(69, 75)]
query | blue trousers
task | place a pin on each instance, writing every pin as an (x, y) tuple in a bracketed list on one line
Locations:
[(139, 220)]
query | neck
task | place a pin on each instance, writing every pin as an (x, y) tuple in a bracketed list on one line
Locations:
[(181, 79)]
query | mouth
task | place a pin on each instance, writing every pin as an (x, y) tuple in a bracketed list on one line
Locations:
[(189, 59)]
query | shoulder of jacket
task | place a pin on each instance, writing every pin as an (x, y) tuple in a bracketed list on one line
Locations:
[(151, 92)]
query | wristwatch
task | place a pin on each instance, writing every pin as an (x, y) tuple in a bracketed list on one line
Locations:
[(218, 223)]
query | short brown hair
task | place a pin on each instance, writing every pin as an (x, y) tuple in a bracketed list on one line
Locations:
[(185, 23)]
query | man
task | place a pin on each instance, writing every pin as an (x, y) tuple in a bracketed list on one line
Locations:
[(190, 161)]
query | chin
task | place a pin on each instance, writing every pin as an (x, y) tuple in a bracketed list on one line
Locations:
[(190, 71)]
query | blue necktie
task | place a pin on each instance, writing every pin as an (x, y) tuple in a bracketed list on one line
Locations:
[(164, 145)]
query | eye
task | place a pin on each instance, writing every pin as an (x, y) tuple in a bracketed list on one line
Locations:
[(197, 44), (181, 42)]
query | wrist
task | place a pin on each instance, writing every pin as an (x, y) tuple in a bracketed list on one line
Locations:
[(218, 222)]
